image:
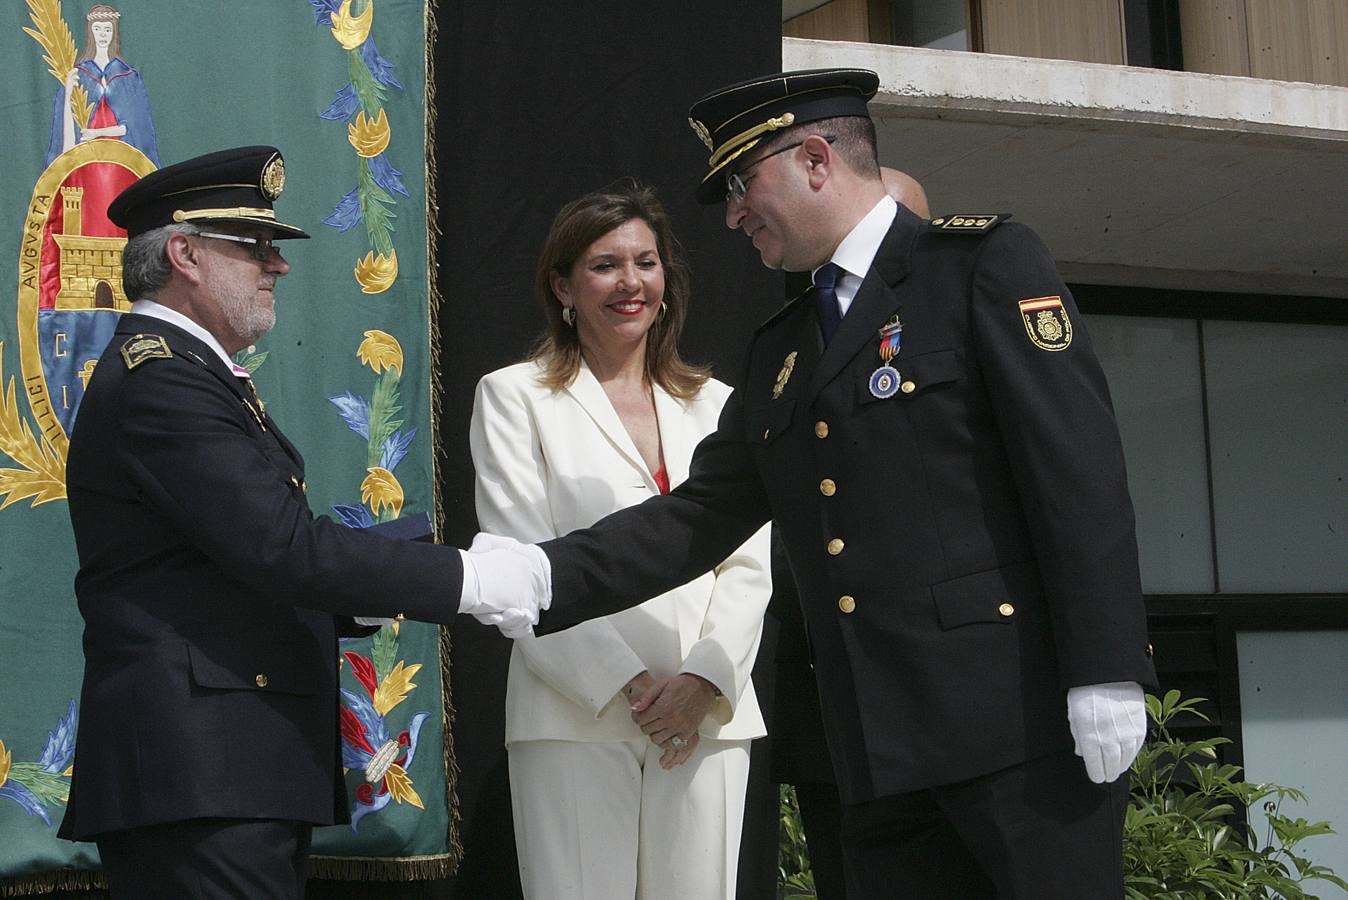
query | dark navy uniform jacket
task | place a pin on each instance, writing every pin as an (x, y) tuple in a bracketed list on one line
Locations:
[(208, 591), (964, 549)]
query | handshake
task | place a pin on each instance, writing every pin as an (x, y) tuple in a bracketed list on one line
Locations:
[(505, 583)]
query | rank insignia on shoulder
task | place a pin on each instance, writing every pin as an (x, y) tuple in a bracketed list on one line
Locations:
[(1046, 322), (968, 224), (140, 348)]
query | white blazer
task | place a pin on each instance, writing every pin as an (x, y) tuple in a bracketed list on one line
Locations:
[(549, 462)]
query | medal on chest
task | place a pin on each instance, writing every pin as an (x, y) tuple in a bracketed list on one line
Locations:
[(885, 379)]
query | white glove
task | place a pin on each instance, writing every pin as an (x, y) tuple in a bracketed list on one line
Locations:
[(1109, 724), (505, 583)]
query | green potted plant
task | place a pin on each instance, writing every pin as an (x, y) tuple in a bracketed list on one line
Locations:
[(1185, 834)]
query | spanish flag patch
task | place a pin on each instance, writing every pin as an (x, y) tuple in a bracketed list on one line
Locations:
[(1046, 322)]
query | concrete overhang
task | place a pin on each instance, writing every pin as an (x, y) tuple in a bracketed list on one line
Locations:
[(1139, 177)]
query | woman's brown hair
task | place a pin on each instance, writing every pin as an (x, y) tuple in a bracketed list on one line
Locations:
[(579, 224)]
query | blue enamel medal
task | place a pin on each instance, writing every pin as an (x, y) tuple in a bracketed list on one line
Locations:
[(885, 380)]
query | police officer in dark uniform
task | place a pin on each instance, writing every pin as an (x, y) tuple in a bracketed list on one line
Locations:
[(212, 597), (929, 428)]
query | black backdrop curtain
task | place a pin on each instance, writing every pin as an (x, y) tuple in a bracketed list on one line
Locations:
[(538, 103)]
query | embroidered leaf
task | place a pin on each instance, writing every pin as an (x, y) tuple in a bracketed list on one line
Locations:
[(360, 705), (395, 448), (387, 177), (395, 688), (353, 516), (343, 106), (355, 411), (374, 210), (384, 649), (25, 798), (323, 10), (60, 745), (348, 30), (362, 670), (353, 733), (381, 490), (6, 757), (370, 91), (42, 475), (251, 362), (380, 350), (384, 408), (49, 788), (53, 35), (367, 804), (346, 215), (400, 786), (380, 68), (369, 136), (376, 274)]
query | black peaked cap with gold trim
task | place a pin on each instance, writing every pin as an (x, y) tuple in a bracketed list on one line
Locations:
[(734, 119), (236, 185)]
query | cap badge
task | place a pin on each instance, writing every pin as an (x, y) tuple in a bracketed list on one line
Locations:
[(784, 375), (273, 177), (701, 131), (1046, 322)]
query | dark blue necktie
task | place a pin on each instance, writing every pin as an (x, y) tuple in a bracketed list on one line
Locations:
[(825, 280)]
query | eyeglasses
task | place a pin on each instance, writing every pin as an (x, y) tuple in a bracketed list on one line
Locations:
[(260, 249), (737, 186)]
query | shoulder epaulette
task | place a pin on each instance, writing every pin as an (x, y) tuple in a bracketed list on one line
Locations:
[(786, 310), (141, 348), (965, 223)]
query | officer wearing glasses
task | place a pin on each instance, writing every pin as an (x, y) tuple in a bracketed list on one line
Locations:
[(212, 596), (930, 431)]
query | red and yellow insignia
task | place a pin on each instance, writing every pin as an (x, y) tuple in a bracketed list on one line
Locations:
[(1046, 322)]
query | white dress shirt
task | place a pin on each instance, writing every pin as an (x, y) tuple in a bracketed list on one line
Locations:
[(857, 251)]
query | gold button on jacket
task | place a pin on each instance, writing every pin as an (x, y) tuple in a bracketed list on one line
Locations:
[(827, 487), (835, 546), (847, 603), (261, 680), (1006, 609), (908, 387), (821, 429)]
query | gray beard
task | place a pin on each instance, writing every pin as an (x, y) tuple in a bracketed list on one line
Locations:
[(246, 318)]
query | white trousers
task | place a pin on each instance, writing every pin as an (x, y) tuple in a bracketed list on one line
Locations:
[(603, 821)]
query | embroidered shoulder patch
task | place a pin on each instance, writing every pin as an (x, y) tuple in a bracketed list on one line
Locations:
[(1046, 322), (140, 348), (968, 224)]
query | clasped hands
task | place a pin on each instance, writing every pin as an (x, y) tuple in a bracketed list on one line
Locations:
[(669, 711), (505, 583)]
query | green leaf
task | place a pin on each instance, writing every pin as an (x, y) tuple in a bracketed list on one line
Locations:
[(49, 787), (369, 91), (384, 652), (384, 407)]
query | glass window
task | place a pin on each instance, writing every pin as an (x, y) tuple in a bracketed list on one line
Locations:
[(1278, 423), (940, 24), (1153, 371)]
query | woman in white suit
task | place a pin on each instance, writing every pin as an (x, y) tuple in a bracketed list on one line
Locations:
[(627, 736)]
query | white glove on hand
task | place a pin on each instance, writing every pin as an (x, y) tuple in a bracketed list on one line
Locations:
[(505, 583), (1109, 724)]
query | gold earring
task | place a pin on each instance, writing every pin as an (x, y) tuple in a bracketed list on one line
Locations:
[(569, 315), (664, 307)]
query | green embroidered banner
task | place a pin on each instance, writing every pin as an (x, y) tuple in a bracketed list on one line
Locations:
[(101, 94)]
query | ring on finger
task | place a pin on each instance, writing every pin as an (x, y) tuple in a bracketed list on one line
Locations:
[(678, 743)]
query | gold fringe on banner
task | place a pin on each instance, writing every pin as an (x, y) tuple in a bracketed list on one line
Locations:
[(50, 882)]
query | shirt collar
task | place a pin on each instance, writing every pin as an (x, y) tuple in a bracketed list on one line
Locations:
[(173, 317), (857, 250)]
